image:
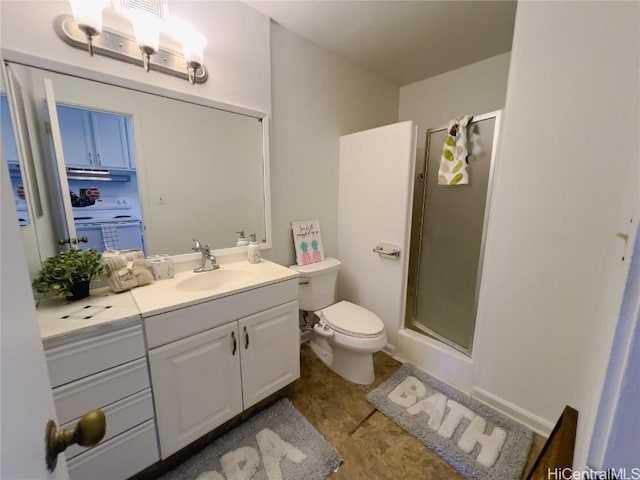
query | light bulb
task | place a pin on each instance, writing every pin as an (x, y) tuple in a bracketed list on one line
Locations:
[(88, 15), (193, 43), (193, 47), (147, 30)]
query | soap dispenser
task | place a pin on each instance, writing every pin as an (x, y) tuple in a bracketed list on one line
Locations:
[(253, 250), (242, 242)]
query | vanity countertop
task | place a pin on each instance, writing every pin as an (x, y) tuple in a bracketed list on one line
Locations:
[(61, 320), (167, 295)]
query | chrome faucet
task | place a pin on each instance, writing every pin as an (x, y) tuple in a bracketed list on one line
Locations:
[(206, 255)]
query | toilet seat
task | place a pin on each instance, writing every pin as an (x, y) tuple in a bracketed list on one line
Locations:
[(352, 320)]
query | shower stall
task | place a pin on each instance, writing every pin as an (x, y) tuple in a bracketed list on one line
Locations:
[(448, 230)]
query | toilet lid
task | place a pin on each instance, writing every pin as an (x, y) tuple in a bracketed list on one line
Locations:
[(353, 320)]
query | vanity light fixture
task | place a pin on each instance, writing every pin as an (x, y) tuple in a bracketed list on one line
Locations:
[(84, 30)]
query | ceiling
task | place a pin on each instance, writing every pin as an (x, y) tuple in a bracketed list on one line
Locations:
[(402, 41)]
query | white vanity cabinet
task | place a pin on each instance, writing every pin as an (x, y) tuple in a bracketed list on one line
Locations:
[(247, 347), (106, 369), (92, 139)]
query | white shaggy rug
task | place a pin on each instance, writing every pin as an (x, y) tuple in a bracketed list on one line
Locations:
[(473, 438)]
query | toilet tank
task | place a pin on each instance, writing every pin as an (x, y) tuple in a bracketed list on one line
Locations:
[(317, 284)]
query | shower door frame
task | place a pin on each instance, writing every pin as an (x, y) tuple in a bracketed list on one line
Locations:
[(411, 311)]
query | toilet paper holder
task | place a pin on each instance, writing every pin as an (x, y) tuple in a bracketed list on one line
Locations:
[(387, 249)]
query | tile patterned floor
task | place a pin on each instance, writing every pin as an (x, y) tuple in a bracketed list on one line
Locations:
[(373, 447)]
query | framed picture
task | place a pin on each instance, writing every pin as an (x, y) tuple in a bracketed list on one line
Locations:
[(307, 241)]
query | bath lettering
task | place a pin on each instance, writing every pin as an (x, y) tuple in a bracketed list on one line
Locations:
[(242, 463), (411, 394)]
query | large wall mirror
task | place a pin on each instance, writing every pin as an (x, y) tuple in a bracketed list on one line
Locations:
[(115, 167)]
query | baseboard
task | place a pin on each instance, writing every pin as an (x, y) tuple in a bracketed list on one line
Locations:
[(389, 349), (534, 422)]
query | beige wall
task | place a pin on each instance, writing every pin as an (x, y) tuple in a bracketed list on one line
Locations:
[(317, 97)]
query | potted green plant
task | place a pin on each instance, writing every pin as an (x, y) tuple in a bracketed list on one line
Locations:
[(69, 273)]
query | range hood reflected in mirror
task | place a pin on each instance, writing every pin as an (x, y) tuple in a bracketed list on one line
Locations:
[(201, 171), (96, 175)]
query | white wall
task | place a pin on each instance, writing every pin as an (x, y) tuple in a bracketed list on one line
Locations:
[(237, 54), (567, 181), (375, 167), (317, 97), (477, 88)]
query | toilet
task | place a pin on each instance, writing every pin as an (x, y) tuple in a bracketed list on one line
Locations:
[(346, 335)]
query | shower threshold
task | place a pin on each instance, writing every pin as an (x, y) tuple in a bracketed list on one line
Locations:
[(417, 327)]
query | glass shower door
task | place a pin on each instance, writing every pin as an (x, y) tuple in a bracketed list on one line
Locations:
[(447, 244)]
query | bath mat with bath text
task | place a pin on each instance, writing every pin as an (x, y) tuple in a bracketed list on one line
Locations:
[(473, 438), (277, 443)]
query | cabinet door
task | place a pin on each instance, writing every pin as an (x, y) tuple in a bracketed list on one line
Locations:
[(93, 232), (77, 140), (270, 346), (196, 385), (110, 134), (130, 143)]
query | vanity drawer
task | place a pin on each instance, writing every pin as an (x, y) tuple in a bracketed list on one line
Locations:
[(118, 458), (84, 357), (121, 416), (75, 399), (183, 322)]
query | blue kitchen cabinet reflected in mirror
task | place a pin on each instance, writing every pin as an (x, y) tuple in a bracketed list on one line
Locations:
[(10, 154), (92, 139)]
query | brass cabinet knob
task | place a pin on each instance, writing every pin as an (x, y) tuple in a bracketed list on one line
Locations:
[(88, 432)]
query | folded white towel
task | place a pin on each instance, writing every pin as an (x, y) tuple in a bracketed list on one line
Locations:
[(127, 269), (116, 259), (135, 274)]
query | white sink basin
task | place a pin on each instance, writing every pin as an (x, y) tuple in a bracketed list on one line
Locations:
[(215, 279)]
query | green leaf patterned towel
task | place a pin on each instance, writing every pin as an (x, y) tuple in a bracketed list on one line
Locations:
[(453, 163)]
